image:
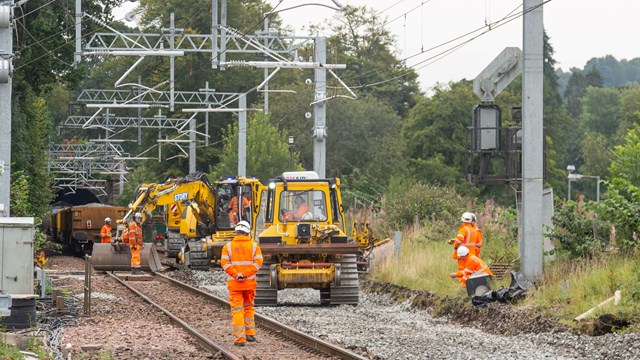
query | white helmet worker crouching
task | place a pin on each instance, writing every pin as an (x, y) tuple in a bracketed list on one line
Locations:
[(243, 227), (463, 251), (468, 217)]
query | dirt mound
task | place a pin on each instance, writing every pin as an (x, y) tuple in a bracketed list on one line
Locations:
[(494, 318)]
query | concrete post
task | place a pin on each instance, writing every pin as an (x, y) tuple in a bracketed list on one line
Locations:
[(242, 136), (6, 64), (319, 109), (532, 150)]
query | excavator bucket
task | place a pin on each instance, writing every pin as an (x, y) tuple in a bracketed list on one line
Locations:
[(108, 257)]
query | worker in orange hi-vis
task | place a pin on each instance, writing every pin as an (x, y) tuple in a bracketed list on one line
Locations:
[(478, 235), (125, 232), (471, 265), (467, 236), (135, 243), (298, 214), (241, 259), (234, 210), (105, 232)]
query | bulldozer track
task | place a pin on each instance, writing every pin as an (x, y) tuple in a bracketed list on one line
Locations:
[(207, 318), (265, 295)]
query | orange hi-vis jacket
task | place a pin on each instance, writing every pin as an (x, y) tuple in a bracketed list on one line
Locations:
[(105, 234), (469, 236), (241, 255), (302, 209), (472, 265), (233, 204), (135, 234)]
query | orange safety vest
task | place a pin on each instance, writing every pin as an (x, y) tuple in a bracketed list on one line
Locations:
[(135, 234), (473, 265), (467, 236), (241, 255), (233, 204), (302, 209), (105, 234)]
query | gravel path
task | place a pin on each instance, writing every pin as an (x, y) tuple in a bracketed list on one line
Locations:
[(388, 330)]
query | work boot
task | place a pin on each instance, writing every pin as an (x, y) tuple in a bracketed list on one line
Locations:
[(238, 343), (251, 338)]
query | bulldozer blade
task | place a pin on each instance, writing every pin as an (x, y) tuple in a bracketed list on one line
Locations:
[(107, 257)]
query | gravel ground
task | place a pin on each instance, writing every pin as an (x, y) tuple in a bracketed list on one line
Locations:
[(124, 326), (385, 329), (70, 263)]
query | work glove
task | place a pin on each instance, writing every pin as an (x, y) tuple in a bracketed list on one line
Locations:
[(240, 277), (135, 247), (451, 241)]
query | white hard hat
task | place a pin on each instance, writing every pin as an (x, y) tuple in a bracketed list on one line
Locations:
[(467, 217), (108, 219), (244, 227), (137, 215), (463, 251)]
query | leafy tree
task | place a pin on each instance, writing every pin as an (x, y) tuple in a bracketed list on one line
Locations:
[(630, 108), (601, 111), (625, 163), (362, 42), (267, 151), (594, 78), (616, 73), (576, 87), (621, 203), (595, 154), (436, 133), (140, 175), (30, 129)]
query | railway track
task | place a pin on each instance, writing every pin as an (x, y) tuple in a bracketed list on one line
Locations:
[(207, 318)]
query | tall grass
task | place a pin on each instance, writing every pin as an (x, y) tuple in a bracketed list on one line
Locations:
[(568, 287), (571, 287), (424, 264)]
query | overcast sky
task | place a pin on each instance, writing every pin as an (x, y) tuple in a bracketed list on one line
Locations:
[(579, 30)]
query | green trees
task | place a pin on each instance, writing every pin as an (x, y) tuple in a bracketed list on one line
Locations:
[(267, 152), (436, 134)]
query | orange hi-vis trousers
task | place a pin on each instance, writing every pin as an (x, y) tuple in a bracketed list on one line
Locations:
[(242, 314), (135, 256)]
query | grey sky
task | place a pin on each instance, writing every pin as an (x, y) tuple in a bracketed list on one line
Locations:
[(579, 30)]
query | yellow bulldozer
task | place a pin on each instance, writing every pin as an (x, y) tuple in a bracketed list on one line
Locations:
[(302, 233), (200, 231)]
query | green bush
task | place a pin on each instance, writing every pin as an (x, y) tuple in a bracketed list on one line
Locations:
[(429, 203), (578, 231), (620, 207)]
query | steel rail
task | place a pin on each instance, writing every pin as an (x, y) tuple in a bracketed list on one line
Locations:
[(207, 343), (267, 322)]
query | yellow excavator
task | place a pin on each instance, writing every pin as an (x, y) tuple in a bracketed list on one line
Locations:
[(202, 229), (302, 233)]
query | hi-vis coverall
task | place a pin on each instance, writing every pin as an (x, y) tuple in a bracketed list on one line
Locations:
[(105, 234), (242, 256), (471, 265), (470, 236), (135, 243), (234, 211)]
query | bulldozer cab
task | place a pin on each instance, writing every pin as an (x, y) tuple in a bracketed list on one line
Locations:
[(298, 203)]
